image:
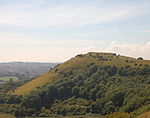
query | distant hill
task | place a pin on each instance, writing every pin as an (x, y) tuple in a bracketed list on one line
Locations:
[(87, 84), (24, 70)]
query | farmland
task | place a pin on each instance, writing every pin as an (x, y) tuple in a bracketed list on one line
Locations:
[(8, 78)]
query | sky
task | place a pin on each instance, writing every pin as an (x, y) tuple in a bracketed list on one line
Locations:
[(57, 30)]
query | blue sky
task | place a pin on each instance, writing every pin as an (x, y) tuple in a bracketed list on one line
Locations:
[(56, 30)]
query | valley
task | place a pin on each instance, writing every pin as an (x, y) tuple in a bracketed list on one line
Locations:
[(23, 70)]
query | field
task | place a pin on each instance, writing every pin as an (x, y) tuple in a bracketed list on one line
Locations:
[(144, 115), (8, 78), (84, 116), (3, 115), (32, 85)]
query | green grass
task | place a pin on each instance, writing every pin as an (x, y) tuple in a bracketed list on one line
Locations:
[(34, 84), (119, 115), (8, 78), (144, 115), (80, 116), (78, 65), (4, 115), (90, 116)]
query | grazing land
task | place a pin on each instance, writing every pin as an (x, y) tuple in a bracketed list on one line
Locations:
[(80, 116), (9, 78), (3, 115)]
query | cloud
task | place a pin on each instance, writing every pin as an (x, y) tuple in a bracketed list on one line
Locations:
[(61, 15), (127, 49), (44, 50), (22, 4), (69, 53), (130, 49), (97, 32), (145, 30)]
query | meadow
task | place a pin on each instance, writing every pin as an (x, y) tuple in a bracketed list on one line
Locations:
[(80, 116), (3, 115), (8, 78)]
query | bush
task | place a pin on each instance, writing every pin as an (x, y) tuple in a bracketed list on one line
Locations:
[(139, 58)]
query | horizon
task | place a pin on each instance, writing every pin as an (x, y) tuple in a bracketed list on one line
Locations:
[(66, 60), (55, 31)]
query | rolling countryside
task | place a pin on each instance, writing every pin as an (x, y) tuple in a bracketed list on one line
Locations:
[(105, 84), (74, 59)]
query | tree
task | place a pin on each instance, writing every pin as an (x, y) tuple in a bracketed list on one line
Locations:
[(83, 93), (99, 94), (95, 108), (32, 101), (13, 99), (139, 58), (118, 99), (93, 94), (92, 69), (75, 91), (109, 106)]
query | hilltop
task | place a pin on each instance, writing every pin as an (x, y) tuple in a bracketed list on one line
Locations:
[(92, 83), (78, 65)]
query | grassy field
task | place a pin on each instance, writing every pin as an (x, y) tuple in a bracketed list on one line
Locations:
[(3, 115), (144, 115), (84, 116), (8, 78), (34, 84)]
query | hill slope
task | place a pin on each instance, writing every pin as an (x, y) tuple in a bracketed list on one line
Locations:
[(93, 83), (79, 64)]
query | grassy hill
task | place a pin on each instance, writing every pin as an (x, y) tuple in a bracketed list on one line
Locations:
[(79, 64), (92, 83), (34, 84), (3, 115), (144, 115)]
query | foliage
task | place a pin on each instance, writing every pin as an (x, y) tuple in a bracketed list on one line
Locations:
[(139, 58), (96, 83)]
